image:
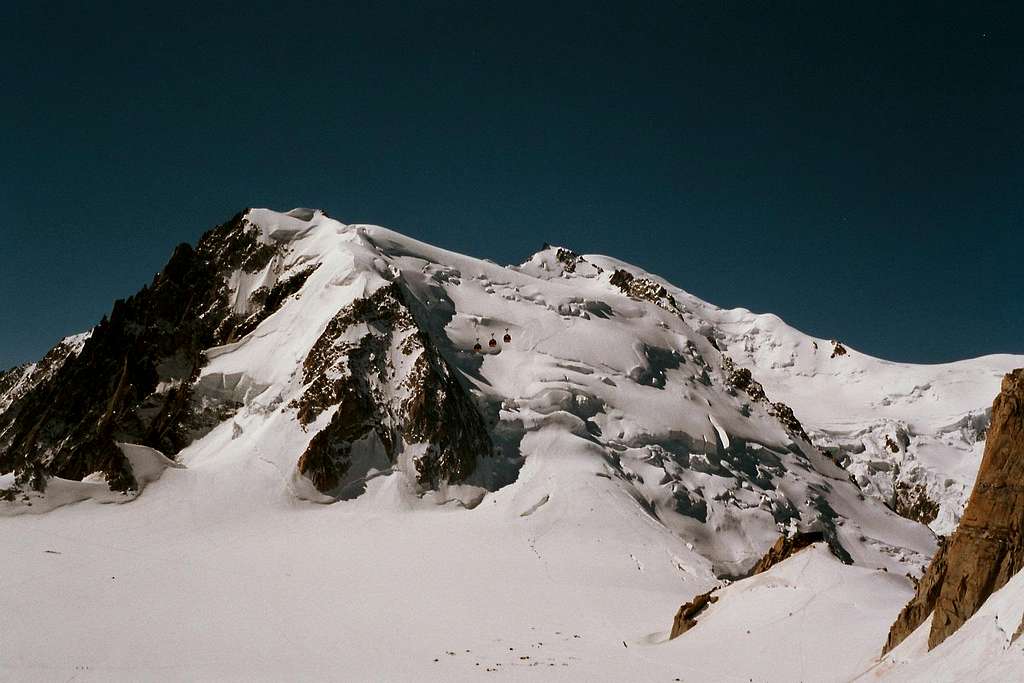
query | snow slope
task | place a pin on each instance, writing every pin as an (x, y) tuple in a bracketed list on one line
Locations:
[(810, 618), (934, 415), (628, 476), (987, 648)]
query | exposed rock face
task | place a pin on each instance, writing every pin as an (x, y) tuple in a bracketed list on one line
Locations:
[(133, 379), (743, 380), (786, 547), (686, 617), (388, 383), (785, 415), (912, 502), (569, 259), (136, 379), (266, 300), (987, 548), (642, 288), (18, 381)]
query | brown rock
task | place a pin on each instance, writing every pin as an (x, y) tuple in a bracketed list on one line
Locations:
[(913, 503), (785, 547), (686, 616), (1020, 630), (987, 548), (742, 379)]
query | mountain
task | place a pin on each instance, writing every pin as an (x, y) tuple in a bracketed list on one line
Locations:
[(18, 381), (324, 430), (912, 435)]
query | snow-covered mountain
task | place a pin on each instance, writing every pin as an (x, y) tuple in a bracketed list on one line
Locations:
[(912, 435), (327, 430)]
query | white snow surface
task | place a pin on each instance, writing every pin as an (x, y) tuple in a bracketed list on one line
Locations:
[(644, 482), (984, 649), (148, 464), (936, 414), (810, 618)]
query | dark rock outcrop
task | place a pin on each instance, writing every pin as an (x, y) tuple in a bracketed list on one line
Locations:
[(10, 380), (743, 380), (357, 375), (642, 288), (18, 381), (265, 301), (133, 379), (785, 415), (987, 548), (913, 502), (568, 258)]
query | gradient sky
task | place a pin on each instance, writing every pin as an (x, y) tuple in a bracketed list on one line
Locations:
[(859, 171)]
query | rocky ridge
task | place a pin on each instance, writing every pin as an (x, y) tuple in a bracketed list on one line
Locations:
[(345, 357), (385, 378), (987, 548), (20, 380), (136, 377)]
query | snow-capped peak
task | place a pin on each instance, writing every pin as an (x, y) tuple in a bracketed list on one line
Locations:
[(312, 385)]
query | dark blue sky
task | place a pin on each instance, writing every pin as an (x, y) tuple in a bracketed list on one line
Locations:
[(859, 172)]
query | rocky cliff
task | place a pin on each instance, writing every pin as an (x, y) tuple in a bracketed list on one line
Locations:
[(987, 548), (136, 377), (387, 381)]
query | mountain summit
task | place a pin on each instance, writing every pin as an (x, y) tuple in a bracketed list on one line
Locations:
[(561, 430)]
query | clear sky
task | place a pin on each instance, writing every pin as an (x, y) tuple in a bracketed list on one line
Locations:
[(859, 171)]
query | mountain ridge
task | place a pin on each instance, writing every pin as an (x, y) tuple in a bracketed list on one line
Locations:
[(619, 438)]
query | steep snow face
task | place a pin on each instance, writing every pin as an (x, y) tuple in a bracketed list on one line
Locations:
[(911, 435)]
